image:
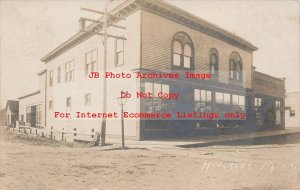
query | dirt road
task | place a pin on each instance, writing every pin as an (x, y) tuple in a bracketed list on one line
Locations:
[(33, 163)]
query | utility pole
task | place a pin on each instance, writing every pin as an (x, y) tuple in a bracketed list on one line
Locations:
[(105, 35), (103, 124)]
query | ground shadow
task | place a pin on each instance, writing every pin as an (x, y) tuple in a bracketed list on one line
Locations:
[(292, 138)]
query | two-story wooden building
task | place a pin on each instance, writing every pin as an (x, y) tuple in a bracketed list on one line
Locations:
[(160, 38)]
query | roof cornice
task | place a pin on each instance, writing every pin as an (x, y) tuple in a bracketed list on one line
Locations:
[(183, 17), (161, 8)]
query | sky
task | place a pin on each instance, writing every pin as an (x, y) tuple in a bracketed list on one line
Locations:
[(29, 29)]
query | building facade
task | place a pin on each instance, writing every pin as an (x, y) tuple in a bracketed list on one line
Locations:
[(162, 39), (269, 101)]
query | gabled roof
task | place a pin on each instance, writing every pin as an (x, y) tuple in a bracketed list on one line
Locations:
[(13, 105), (161, 8)]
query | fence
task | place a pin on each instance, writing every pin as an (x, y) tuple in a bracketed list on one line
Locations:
[(70, 136)]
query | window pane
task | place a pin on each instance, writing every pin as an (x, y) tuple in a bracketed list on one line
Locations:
[(238, 66), (58, 74), (72, 66), (88, 99), (242, 100), (119, 45), (120, 58), (231, 74), (67, 68), (187, 62), (235, 99), (176, 59), (212, 69), (197, 94), (94, 56), (187, 50), (68, 102), (157, 89), (203, 95), (177, 47), (165, 88), (226, 98), (213, 59), (208, 96), (219, 97), (88, 58), (89, 68), (148, 87), (232, 65), (71, 75)]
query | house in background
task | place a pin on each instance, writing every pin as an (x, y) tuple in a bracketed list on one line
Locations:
[(11, 113), (292, 102)]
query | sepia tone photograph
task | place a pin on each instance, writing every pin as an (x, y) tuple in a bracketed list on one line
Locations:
[(149, 95)]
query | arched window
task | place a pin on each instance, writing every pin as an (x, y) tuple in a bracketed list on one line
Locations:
[(235, 67), (214, 62), (183, 51)]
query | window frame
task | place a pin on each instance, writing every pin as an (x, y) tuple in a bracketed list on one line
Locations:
[(119, 52), (70, 102), (223, 98), (155, 101), (292, 113), (235, 67), (50, 104), (214, 52), (257, 102), (90, 99), (183, 39), (59, 75), (69, 71), (92, 63), (51, 78)]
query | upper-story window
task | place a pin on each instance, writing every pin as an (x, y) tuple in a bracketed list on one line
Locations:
[(257, 102), (119, 52), (69, 71), (87, 99), (58, 74), (235, 67), (51, 78), (183, 51), (50, 104), (277, 104), (68, 102), (214, 62), (91, 61)]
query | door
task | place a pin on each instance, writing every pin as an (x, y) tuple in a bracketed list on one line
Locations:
[(33, 116)]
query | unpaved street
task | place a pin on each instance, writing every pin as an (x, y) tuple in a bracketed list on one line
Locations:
[(34, 163)]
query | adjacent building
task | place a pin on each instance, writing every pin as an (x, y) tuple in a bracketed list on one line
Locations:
[(292, 102)]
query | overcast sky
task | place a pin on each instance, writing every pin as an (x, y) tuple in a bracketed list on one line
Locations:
[(32, 28)]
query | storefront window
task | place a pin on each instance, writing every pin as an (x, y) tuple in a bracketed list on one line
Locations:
[(156, 104), (202, 100)]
